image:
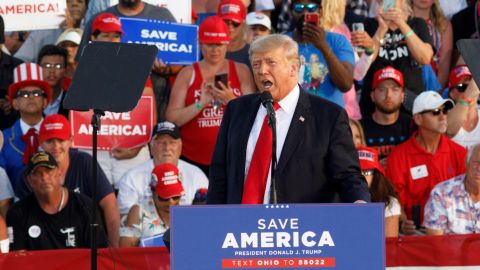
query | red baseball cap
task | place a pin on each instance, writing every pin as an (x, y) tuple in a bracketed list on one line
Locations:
[(213, 30), (457, 74), (387, 73), (54, 126), (107, 23), (232, 10), (28, 74), (166, 181), (369, 159)]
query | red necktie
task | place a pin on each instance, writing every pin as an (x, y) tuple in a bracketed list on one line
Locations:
[(31, 144), (256, 180)]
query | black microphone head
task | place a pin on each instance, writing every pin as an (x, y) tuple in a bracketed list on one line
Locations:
[(266, 97)]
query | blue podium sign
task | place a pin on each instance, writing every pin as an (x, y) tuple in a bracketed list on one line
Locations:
[(176, 43), (295, 236)]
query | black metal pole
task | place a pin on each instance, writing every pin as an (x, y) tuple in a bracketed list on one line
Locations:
[(96, 122)]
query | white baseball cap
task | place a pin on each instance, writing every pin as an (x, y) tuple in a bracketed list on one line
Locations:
[(430, 100), (72, 34), (259, 18)]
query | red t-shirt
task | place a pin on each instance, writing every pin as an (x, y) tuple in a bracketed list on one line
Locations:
[(414, 171), (199, 134)]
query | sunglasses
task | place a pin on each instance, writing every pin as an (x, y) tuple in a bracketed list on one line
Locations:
[(367, 172), (52, 66), (229, 22), (437, 111), (461, 87), (28, 93), (299, 7)]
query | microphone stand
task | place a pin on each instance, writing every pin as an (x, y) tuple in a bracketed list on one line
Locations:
[(272, 123)]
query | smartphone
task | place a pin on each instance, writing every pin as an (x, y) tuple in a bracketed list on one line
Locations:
[(223, 77), (358, 27), (388, 4), (312, 18), (416, 215)]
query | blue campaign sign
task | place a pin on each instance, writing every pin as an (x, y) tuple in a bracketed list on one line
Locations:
[(296, 236), (176, 43)]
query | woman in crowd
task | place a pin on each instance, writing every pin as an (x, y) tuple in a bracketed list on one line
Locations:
[(440, 30), (381, 189), (357, 133), (152, 216), (197, 98), (400, 41)]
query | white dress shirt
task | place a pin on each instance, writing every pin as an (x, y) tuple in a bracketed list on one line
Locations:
[(284, 117)]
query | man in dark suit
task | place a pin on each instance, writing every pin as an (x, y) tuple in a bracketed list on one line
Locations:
[(315, 151)]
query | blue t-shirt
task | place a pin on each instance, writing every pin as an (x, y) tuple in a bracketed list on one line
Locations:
[(314, 76)]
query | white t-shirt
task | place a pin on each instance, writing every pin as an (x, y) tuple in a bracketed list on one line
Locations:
[(134, 186), (468, 139), (393, 208)]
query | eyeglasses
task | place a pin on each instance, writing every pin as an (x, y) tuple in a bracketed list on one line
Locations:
[(230, 22), (437, 111), (28, 93), (299, 7), (461, 87), (367, 172), (175, 198), (52, 66)]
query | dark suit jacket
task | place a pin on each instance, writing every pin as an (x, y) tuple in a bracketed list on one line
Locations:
[(318, 159)]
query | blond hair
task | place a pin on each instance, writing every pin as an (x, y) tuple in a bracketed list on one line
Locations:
[(437, 16), (270, 42), (333, 13)]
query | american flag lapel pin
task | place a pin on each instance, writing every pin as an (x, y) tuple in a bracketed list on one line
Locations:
[(301, 118)]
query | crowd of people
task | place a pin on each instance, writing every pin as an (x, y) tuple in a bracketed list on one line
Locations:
[(394, 74)]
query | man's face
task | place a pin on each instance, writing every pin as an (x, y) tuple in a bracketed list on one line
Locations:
[(30, 100), (53, 67), (255, 31), (57, 148), (434, 120), (273, 72), (129, 3), (43, 180), (387, 97), (235, 30), (164, 204), (300, 7), (166, 149), (473, 166), (77, 9), (108, 37)]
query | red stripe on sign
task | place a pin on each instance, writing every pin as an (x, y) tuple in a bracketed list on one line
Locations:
[(279, 263), (447, 250)]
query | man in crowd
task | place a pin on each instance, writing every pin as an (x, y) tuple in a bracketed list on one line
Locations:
[(165, 147), (258, 25), (329, 56), (463, 124), (7, 64), (53, 60), (316, 160), (453, 205), (52, 217), (426, 159), (387, 126), (75, 172), (233, 14), (29, 95)]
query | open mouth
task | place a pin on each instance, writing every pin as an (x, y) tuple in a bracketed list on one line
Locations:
[(267, 84)]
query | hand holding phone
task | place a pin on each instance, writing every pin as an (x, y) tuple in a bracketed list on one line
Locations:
[(358, 27), (388, 4), (311, 18), (223, 77)]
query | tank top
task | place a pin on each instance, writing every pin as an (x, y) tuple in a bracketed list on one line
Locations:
[(199, 134)]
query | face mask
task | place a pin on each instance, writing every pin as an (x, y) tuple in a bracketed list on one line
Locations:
[(129, 3)]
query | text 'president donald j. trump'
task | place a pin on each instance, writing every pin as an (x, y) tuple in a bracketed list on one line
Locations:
[(315, 152)]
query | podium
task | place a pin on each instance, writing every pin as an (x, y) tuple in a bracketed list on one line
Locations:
[(297, 236)]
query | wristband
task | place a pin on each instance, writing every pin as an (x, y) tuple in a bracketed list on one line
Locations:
[(468, 100), (198, 106), (409, 33), (463, 102)]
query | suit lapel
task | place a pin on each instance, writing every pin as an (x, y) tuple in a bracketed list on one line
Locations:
[(296, 131)]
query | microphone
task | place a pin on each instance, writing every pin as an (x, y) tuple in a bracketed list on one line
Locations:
[(267, 102)]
